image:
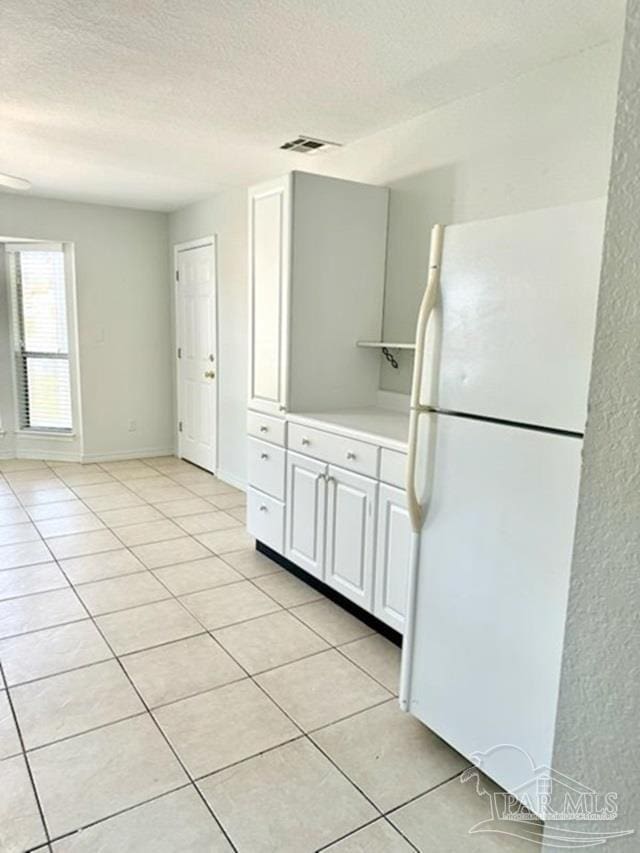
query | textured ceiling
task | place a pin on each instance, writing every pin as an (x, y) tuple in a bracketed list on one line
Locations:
[(154, 104)]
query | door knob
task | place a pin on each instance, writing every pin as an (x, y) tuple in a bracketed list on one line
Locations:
[(209, 374)]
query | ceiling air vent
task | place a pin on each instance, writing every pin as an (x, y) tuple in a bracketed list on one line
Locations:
[(308, 145)]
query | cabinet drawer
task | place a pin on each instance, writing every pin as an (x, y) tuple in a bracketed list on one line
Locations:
[(266, 467), (266, 427), (265, 519), (358, 456), (393, 466)]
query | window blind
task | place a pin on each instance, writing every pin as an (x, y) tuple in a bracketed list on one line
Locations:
[(41, 339)]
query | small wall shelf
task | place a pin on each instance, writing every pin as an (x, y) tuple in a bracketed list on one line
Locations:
[(385, 347)]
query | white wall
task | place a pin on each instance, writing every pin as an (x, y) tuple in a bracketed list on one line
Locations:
[(123, 320), (225, 215), (597, 735), (540, 140)]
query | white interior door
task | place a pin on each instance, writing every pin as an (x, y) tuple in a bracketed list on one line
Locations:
[(197, 354)]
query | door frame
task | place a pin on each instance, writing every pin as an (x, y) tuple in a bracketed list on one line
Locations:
[(209, 240)]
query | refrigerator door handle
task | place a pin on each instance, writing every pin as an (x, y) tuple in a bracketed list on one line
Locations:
[(426, 308), (416, 510)]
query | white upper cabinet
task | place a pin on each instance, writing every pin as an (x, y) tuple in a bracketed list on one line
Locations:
[(317, 249), (269, 251)]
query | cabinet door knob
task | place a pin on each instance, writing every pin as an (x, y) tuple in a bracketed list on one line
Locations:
[(331, 479), (351, 455), (264, 428), (263, 508), (282, 408), (264, 456), (209, 374), (305, 441)]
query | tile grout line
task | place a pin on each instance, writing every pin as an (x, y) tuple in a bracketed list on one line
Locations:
[(430, 790), (304, 734), (160, 731), (25, 757), (154, 721), (282, 608), (122, 811)]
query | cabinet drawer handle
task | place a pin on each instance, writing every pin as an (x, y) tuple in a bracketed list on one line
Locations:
[(305, 441), (264, 456), (264, 428), (351, 455), (263, 508)]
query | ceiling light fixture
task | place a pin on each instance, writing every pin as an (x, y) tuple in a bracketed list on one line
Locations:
[(14, 183)]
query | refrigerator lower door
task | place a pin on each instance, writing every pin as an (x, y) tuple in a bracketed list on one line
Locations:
[(492, 587)]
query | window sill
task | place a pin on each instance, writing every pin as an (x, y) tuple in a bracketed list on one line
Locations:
[(45, 433)]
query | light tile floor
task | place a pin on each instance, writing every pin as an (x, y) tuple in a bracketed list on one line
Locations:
[(166, 688)]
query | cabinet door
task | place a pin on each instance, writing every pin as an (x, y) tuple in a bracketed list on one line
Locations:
[(306, 499), (393, 551), (351, 504), (269, 250)]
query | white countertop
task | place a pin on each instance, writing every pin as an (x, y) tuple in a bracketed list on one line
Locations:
[(387, 427)]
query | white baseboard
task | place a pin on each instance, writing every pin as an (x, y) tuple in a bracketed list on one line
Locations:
[(232, 480), (74, 456), (119, 455), (54, 455)]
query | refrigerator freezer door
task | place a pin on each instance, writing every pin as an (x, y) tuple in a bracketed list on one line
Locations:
[(512, 334), (493, 574)]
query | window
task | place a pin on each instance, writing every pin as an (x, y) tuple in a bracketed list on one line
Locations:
[(40, 335)]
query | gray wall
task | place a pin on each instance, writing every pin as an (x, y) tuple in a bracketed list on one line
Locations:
[(539, 140), (598, 732), (123, 307)]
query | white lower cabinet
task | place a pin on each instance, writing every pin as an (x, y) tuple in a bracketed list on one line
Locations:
[(265, 519), (306, 507), (392, 557), (346, 528), (350, 537)]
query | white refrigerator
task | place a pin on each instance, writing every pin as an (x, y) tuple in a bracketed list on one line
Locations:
[(499, 404)]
